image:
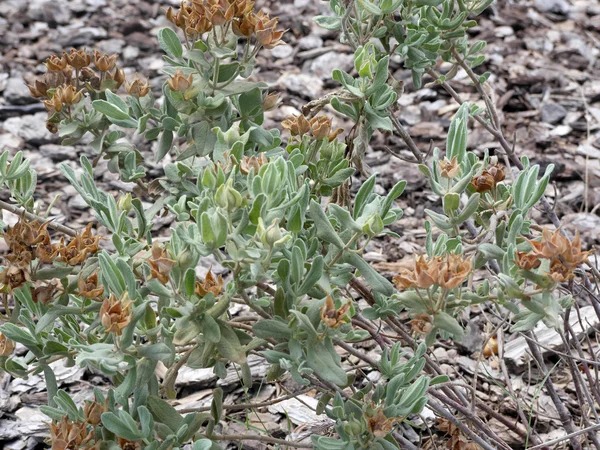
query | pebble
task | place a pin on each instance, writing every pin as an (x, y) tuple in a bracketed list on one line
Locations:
[(324, 65), (49, 11), (111, 46), (301, 84), (282, 51), (553, 113), (16, 93), (9, 141), (58, 153), (560, 7), (504, 31), (310, 42), (32, 128)]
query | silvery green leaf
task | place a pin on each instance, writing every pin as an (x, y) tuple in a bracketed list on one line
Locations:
[(456, 143), (170, 43)]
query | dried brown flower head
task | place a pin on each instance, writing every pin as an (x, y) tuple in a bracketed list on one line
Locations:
[(448, 272), (137, 87), (104, 62), (484, 182), (89, 287), (69, 95), (115, 314), (126, 444), (117, 77), (527, 261), (297, 125), (266, 31), (7, 346), (44, 292), (331, 316), (179, 82), (14, 277), (379, 425), (453, 271), (160, 263), (449, 168), (39, 89), (20, 255), (210, 284), (56, 64), (498, 171), (78, 58), (67, 435), (92, 412), (421, 324)]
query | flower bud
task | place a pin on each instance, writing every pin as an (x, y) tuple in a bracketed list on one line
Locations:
[(124, 203), (227, 197), (373, 226)]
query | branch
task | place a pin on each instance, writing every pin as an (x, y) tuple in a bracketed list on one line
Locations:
[(22, 212)]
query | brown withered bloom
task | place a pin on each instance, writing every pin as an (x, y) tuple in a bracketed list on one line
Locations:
[(56, 64), (266, 31), (160, 263), (104, 62), (89, 287), (219, 12), (118, 77), (297, 125), (14, 277), (92, 411), (137, 88), (69, 95), (254, 162), (53, 105), (20, 255), (498, 171), (179, 82), (78, 58), (115, 314), (245, 26), (331, 316), (26, 233), (39, 89), (67, 435), (449, 168), (527, 261), (453, 271), (88, 240), (484, 182), (270, 101), (126, 444), (210, 284), (73, 253), (421, 324), (379, 425), (44, 292), (7, 346), (46, 252), (422, 277), (51, 127), (320, 126)]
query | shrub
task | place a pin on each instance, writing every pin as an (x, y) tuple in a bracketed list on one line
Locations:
[(280, 217)]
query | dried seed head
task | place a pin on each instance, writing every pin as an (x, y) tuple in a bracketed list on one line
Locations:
[(89, 287), (179, 82), (44, 293), (160, 263), (104, 62), (331, 316), (56, 64), (7, 346), (78, 58), (297, 125), (137, 87), (115, 314), (92, 411), (13, 277), (266, 31), (210, 284)]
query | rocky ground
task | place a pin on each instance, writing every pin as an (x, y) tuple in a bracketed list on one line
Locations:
[(543, 56)]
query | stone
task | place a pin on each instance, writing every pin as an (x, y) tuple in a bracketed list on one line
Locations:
[(301, 84), (282, 51), (58, 153), (49, 11), (16, 93), (32, 128), (78, 37), (310, 42), (9, 141), (130, 52), (325, 64), (553, 113), (560, 7), (504, 31), (111, 46)]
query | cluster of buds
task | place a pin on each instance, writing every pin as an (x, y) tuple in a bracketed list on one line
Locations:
[(320, 127), (197, 17), (564, 255), (489, 178), (73, 74), (160, 263), (29, 240), (448, 272), (116, 313), (333, 317), (211, 284)]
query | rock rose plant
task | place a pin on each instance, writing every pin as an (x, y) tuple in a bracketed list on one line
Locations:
[(277, 213)]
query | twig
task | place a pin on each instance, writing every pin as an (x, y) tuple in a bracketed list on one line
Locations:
[(22, 212), (255, 437)]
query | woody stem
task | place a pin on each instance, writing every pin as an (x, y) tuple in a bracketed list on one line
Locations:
[(22, 212)]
